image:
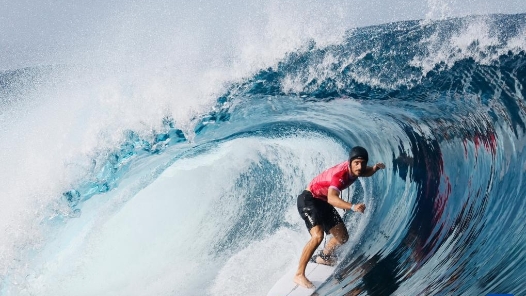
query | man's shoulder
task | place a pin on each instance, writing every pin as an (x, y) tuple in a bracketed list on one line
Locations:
[(339, 170), (341, 167)]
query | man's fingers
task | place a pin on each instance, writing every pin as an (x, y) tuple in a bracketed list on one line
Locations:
[(361, 208)]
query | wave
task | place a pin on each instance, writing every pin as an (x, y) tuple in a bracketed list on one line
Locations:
[(209, 207)]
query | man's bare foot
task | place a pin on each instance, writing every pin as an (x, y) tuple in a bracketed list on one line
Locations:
[(330, 262), (303, 281)]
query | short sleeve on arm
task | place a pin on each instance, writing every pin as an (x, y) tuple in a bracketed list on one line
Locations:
[(336, 183)]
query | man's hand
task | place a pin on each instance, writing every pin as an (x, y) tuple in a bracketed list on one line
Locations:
[(378, 166), (359, 207)]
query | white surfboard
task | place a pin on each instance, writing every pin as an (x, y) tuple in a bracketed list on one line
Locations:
[(316, 273)]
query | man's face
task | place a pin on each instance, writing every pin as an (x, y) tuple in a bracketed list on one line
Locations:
[(358, 166)]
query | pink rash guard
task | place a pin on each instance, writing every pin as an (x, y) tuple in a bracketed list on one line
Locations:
[(337, 177)]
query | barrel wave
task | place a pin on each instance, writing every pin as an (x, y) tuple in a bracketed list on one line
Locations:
[(210, 209)]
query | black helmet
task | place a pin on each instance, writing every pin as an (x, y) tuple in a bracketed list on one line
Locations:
[(358, 152)]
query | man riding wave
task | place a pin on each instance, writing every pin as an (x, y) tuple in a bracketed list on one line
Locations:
[(317, 203)]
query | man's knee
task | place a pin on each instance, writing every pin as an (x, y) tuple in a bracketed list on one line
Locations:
[(317, 235), (340, 234), (343, 239)]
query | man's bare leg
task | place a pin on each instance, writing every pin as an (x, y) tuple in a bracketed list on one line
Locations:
[(316, 237), (339, 237)]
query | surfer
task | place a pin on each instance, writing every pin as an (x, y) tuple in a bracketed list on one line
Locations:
[(316, 206)]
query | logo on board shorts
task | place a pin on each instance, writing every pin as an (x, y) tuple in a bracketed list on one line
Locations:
[(310, 218)]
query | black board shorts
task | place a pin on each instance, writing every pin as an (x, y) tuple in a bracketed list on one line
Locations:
[(317, 212)]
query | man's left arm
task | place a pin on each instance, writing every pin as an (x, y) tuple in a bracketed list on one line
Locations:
[(371, 170)]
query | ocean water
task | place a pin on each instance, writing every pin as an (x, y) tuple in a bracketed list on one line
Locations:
[(173, 170)]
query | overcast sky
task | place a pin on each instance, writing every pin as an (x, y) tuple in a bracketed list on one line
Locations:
[(34, 32)]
